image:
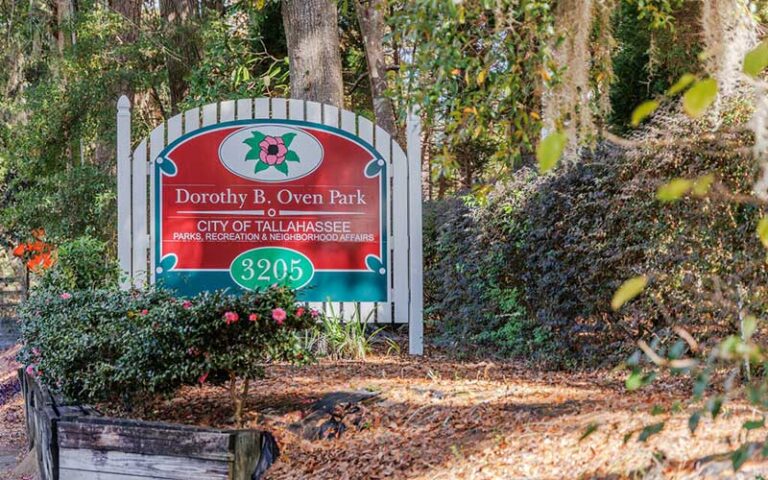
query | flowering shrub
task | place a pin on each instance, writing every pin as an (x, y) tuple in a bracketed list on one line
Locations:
[(36, 254), (105, 345)]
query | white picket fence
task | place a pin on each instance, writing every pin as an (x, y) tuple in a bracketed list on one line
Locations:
[(135, 188)]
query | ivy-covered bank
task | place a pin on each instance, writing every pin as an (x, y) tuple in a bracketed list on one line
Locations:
[(531, 270)]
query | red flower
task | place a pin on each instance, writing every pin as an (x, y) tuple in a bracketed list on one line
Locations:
[(20, 250), (186, 305), (253, 317), (231, 317), (145, 312), (203, 378), (273, 150), (300, 311), (279, 315)]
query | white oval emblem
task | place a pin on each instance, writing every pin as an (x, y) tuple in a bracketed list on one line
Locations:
[(271, 153)]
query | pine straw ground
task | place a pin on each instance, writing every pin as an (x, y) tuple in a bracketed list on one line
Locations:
[(438, 418)]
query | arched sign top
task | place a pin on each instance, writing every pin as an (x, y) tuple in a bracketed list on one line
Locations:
[(243, 194)]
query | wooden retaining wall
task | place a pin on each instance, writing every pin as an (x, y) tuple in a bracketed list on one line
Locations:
[(75, 443)]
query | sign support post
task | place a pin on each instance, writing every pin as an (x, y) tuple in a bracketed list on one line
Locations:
[(416, 264)]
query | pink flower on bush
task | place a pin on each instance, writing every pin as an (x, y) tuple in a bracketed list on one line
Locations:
[(253, 317), (278, 315), (203, 378), (300, 311), (30, 370), (186, 305), (314, 312), (273, 150), (231, 317), (65, 296), (36, 351), (145, 312), (193, 351)]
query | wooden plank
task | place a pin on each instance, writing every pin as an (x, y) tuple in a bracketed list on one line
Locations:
[(209, 114), (140, 212), (124, 190), (296, 109), (279, 108), (331, 116), (383, 143), (156, 145), (74, 462), (415, 263), (146, 440), (261, 108), (400, 234), (348, 123), (191, 120), (227, 113), (366, 311), (174, 128), (314, 112), (247, 454), (244, 109)]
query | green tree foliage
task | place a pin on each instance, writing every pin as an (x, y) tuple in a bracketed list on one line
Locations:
[(477, 70)]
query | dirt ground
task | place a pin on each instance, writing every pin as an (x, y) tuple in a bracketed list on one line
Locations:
[(437, 418)]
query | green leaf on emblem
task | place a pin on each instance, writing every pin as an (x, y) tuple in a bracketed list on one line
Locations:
[(291, 156), (255, 140), (260, 166), (282, 167), (288, 138)]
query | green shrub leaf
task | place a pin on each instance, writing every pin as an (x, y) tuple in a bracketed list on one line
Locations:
[(754, 424), (550, 150), (756, 60), (643, 110), (674, 190), (699, 97), (650, 430), (684, 82), (628, 290), (591, 428), (739, 456), (762, 231)]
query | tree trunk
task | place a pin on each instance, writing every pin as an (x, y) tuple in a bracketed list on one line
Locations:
[(180, 16), (104, 152), (64, 11), (370, 16), (312, 35)]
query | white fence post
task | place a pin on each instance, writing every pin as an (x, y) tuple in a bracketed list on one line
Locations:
[(415, 255), (124, 190)]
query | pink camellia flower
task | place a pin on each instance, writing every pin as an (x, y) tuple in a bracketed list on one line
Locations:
[(253, 317), (30, 370), (279, 315), (300, 311), (273, 150), (186, 305), (203, 378), (65, 296), (314, 312), (145, 312), (231, 317)]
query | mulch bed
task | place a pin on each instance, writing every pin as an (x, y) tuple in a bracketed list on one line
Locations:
[(438, 418)]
